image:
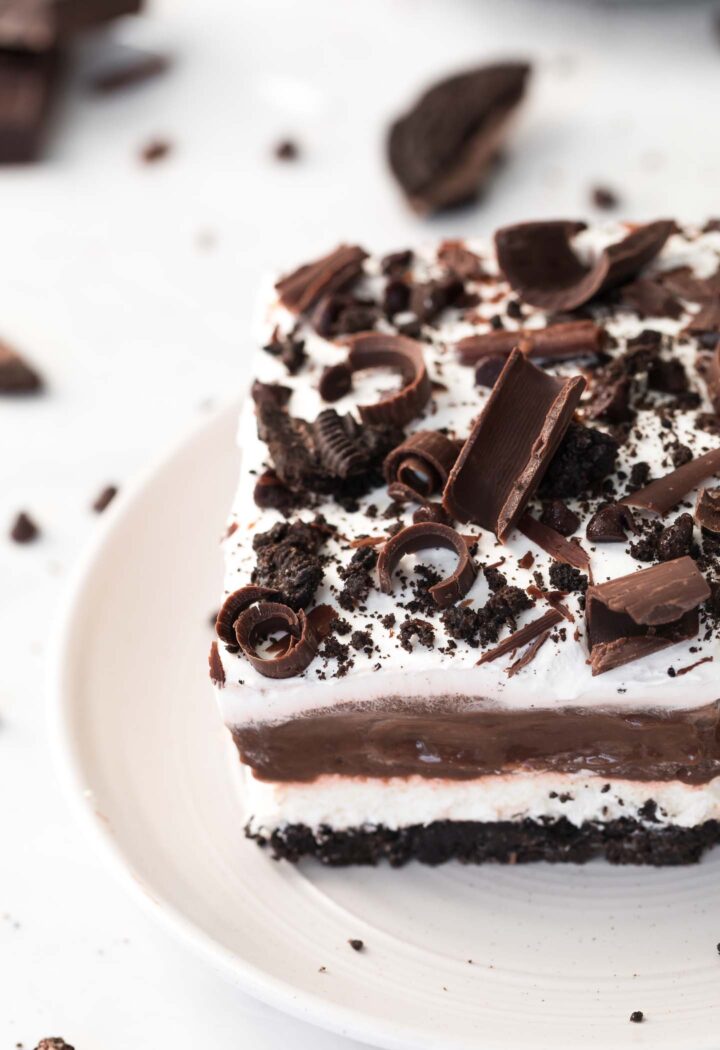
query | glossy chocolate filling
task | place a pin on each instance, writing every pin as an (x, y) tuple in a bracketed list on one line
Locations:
[(460, 745)]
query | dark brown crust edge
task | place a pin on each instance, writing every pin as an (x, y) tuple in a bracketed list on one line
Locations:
[(622, 841)]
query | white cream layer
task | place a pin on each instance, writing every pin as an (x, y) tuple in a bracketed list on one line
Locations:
[(347, 802), (559, 675)]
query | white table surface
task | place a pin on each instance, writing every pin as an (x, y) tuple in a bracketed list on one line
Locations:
[(133, 288)]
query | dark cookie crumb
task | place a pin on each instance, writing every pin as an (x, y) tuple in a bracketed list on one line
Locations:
[(356, 944), (357, 577), (104, 498), (24, 529), (362, 640), (288, 560), (567, 578), (286, 149), (585, 457), (155, 150), (637, 1016), (421, 629), (289, 349), (557, 515), (604, 198), (676, 540)]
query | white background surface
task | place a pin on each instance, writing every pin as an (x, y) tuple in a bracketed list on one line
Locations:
[(140, 326)]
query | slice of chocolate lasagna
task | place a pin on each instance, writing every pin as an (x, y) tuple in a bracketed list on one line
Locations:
[(472, 601)]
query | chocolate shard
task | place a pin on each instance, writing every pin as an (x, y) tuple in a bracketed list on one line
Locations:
[(610, 524), (644, 612), (539, 261), (265, 618), (403, 355), (458, 260), (139, 69), (300, 290), (217, 671), (522, 636), (511, 444), (662, 495), (428, 535), (442, 148), (650, 298), (707, 509), (553, 543), (26, 95), (422, 462), (16, 375), (557, 342), (528, 656)]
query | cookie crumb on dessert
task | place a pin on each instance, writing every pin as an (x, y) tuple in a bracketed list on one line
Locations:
[(637, 1016), (356, 944), (155, 150), (605, 198), (104, 498), (24, 529), (286, 149)]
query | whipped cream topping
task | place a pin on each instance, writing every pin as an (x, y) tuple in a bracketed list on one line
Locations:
[(559, 675)]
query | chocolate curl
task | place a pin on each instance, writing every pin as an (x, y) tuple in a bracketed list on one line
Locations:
[(511, 445), (522, 636), (300, 290), (553, 543), (538, 260), (554, 343), (662, 495), (263, 619), (422, 462), (428, 535), (236, 603), (403, 355), (644, 612)]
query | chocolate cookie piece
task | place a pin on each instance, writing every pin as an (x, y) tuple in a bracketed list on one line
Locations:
[(288, 561), (585, 457), (443, 147)]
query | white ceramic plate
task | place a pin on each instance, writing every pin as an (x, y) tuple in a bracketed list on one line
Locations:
[(560, 955)]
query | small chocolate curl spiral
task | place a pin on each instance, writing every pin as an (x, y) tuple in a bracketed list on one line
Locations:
[(422, 462), (429, 535), (236, 603), (405, 356), (265, 618)]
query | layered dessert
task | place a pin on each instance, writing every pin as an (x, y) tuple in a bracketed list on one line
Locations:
[(472, 598)]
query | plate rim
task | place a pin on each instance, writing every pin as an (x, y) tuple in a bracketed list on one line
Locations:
[(274, 991)]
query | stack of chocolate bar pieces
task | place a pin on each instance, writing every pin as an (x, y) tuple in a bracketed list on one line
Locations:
[(35, 36), (472, 601)]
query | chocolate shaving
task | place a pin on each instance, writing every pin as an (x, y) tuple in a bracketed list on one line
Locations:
[(511, 445), (662, 495), (403, 355), (422, 462), (522, 636), (644, 612), (16, 375), (264, 619), (554, 343), (691, 667), (217, 671), (528, 656), (539, 261), (707, 509), (429, 535), (441, 149), (712, 379), (300, 290), (553, 543), (236, 603)]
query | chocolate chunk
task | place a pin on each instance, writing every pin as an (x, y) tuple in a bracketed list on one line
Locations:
[(662, 495), (272, 493), (585, 457), (288, 561), (610, 401), (676, 539), (104, 498), (236, 603), (217, 671), (523, 636), (415, 628), (357, 578), (430, 298), (300, 290), (443, 147), (610, 524), (16, 375), (669, 377), (289, 349), (637, 1016), (27, 83), (650, 298), (553, 543), (644, 612), (604, 198), (539, 261), (377, 350), (397, 263), (567, 578), (707, 509), (557, 342), (342, 313), (130, 74), (286, 149), (155, 150), (428, 536), (24, 529), (457, 258), (557, 515), (434, 512), (396, 298), (511, 445), (422, 462), (266, 618), (488, 370)]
